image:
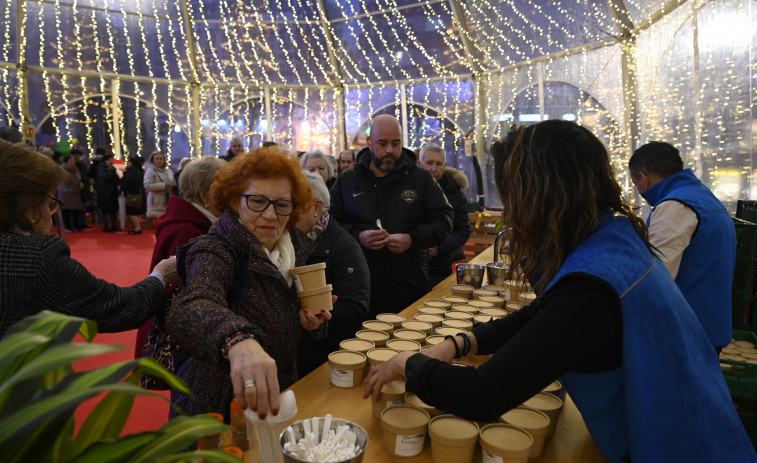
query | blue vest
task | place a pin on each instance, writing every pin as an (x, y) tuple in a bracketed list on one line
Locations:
[(668, 402), (705, 276)]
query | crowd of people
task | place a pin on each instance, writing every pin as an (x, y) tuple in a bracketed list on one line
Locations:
[(629, 315)]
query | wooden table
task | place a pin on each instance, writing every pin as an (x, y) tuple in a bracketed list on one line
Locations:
[(316, 396)]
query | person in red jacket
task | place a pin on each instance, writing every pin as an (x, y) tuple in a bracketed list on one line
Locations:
[(186, 217)]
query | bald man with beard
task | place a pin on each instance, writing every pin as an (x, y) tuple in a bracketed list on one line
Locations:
[(396, 211)]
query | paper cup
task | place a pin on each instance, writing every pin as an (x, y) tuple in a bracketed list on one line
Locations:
[(316, 299), (309, 276)]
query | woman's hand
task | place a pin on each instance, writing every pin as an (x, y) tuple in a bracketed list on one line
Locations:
[(311, 321), (253, 375), (391, 370)]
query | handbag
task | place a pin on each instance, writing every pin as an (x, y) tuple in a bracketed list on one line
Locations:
[(134, 201)]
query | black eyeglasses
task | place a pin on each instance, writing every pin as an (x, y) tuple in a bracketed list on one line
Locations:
[(259, 203), (55, 205)]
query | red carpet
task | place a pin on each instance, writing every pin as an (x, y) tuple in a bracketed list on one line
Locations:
[(122, 259)]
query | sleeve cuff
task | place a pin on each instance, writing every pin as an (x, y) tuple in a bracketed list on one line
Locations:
[(159, 276)]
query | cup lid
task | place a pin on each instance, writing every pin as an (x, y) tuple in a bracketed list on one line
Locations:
[(506, 438), (307, 268), (480, 304), (404, 333), (378, 325), (381, 354), (347, 359), (455, 299), (450, 429), (465, 308), (448, 331), (526, 418), (357, 345), (493, 311), (372, 335), (437, 303), (401, 417), (458, 315), (403, 345), (544, 401), (429, 318), (390, 317), (457, 323), (417, 325), (431, 310), (434, 339)]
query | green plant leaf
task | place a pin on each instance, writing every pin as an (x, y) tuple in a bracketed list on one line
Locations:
[(178, 434), (56, 357), (204, 455), (115, 451), (17, 349), (154, 368), (61, 328)]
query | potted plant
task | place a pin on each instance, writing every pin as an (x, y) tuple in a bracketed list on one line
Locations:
[(39, 392)]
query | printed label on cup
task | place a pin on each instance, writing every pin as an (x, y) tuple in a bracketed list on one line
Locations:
[(393, 403), (507, 294), (487, 457), (297, 283), (409, 446), (341, 378)]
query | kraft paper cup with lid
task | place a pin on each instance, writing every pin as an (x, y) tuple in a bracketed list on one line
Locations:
[(434, 339), (380, 355), (403, 345), (534, 421), (448, 331), (458, 315), (505, 443), (494, 312), (465, 291), (527, 298), (393, 318), (434, 320), (317, 299), (418, 325), (379, 338), (432, 310), (378, 325), (471, 309), (498, 301), (512, 290), (455, 299), (392, 394), (480, 304), (478, 293), (513, 306), (483, 318), (555, 388), (440, 303), (413, 400), (357, 345), (404, 430), (347, 368), (466, 325), (411, 335), (549, 404), (453, 439), (497, 288), (309, 276)]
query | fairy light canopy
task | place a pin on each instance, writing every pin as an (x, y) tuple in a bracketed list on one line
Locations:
[(185, 76)]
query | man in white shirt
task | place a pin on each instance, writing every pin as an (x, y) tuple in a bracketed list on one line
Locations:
[(692, 231)]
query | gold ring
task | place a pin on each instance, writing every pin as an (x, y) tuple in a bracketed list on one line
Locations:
[(249, 383)]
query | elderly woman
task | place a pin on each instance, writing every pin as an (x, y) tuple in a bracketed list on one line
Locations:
[(236, 147), (70, 194), (131, 184), (315, 161), (239, 315), (37, 272), (609, 320), (187, 216), (158, 183), (346, 271)]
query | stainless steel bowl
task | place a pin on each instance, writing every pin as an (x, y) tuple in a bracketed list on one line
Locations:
[(496, 273), (470, 274), (299, 433)]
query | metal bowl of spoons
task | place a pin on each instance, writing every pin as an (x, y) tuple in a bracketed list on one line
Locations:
[(323, 439)]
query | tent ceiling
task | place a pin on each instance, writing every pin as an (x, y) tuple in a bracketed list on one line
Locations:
[(308, 42)]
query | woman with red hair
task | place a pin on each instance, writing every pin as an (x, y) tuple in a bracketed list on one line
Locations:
[(239, 316)]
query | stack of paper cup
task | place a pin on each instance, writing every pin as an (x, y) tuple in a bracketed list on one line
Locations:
[(310, 281)]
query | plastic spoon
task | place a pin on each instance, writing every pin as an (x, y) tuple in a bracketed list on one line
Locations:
[(378, 224)]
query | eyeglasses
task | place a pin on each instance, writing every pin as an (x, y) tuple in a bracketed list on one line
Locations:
[(259, 203), (55, 205)]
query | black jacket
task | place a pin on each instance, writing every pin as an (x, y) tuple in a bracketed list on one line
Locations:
[(347, 271), (451, 250), (107, 187), (407, 200)]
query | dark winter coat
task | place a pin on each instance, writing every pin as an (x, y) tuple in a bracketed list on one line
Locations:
[(70, 191), (452, 182), (201, 318), (407, 200), (131, 183), (347, 271), (107, 187), (38, 273)]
